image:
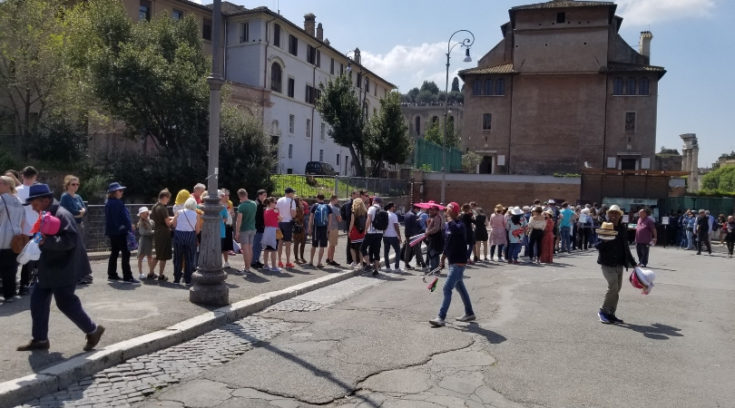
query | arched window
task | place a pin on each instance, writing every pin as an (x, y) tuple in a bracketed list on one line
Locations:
[(276, 76), (418, 125)]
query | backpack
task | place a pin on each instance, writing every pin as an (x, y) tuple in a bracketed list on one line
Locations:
[(381, 220), (321, 215), (360, 223)]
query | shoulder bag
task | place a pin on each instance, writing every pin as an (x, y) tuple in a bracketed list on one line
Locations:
[(19, 241)]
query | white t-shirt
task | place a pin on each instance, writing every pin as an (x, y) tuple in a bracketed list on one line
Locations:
[(392, 221), (31, 216), (371, 214), (186, 220), (284, 206)]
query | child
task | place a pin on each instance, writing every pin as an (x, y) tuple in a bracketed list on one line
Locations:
[(270, 242), (145, 244), (516, 229)]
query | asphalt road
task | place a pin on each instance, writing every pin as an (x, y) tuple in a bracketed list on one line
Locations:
[(366, 342)]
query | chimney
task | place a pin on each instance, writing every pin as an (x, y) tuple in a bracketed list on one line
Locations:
[(356, 58), (644, 47), (319, 32), (309, 23)]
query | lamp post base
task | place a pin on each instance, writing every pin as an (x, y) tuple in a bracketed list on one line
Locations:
[(209, 279)]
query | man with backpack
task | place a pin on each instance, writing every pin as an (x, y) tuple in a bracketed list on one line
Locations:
[(376, 223), (319, 223)]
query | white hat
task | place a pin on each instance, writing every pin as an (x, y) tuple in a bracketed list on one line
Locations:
[(142, 209), (615, 208), (551, 201), (516, 211)]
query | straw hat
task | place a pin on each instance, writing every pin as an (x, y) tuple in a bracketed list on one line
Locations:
[(606, 232)]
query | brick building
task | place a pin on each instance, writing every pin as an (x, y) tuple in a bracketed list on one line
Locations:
[(562, 91)]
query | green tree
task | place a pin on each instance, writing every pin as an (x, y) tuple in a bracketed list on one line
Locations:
[(455, 85), (430, 86), (150, 75), (387, 139), (434, 134), (470, 161), (246, 156), (339, 107), (721, 180)]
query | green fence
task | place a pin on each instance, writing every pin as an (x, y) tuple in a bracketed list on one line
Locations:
[(716, 205), (428, 153)]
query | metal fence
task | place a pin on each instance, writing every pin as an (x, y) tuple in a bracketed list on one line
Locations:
[(310, 186), (430, 154)]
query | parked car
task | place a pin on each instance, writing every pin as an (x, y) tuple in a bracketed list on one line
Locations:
[(320, 169)]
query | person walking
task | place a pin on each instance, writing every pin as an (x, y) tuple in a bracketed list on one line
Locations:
[(245, 228), (187, 225), (63, 259), (702, 232), (73, 202), (455, 250), (392, 238), (613, 255), (162, 232), (645, 235), (12, 215), (117, 228)]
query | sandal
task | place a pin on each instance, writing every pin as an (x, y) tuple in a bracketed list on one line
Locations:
[(162, 278)]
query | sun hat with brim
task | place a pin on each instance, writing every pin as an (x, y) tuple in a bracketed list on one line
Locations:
[(615, 208), (607, 231), (115, 186), (516, 211), (38, 190), (143, 209), (642, 278)]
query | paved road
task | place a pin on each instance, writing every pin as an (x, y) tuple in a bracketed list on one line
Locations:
[(129, 311), (366, 342)]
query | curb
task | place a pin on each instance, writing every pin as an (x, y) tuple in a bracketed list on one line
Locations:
[(60, 376)]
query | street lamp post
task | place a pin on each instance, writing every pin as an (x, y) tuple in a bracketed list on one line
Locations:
[(209, 279), (466, 43)]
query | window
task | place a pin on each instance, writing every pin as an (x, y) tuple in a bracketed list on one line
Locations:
[(207, 29), (310, 54), (323, 132), (337, 159), (291, 123), (500, 86), (144, 10), (418, 126), (359, 79), (276, 72), (177, 15), (321, 154), (561, 17), (488, 87), (630, 86), (487, 120), (630, 121), (293, 45), (308, 127), (643, 85), (290, 151), (477, 87), (331, 66), (618, 86), (312, 94), (341, 69), (291, 87), (367, 85), (277, 35), (244, 32)]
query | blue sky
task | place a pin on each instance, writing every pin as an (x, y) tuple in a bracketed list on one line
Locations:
[(404, 41)]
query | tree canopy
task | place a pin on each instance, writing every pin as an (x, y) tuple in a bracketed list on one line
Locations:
[(387, 139), (721, 180)]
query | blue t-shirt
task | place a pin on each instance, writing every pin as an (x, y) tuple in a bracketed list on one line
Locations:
[(565, 217), (222, 217)]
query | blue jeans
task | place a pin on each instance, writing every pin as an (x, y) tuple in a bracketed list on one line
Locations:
[(257, 247), (690, 239), (515, 249), (389, 242), (454, 280), (565, 238), (66, 301)]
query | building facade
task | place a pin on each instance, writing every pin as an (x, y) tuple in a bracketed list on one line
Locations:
[(562, 91), (275, 69)]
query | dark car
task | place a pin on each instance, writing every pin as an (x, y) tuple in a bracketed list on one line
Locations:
[(320, 168)]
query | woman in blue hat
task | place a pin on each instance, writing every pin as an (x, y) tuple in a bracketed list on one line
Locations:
[(117, 227)]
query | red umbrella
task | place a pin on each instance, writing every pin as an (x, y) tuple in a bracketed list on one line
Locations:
[(429, 204)]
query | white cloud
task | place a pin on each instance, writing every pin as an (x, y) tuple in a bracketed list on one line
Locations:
[(409, 66), (644, 12)]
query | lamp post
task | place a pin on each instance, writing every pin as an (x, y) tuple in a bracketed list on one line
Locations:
[(466, 43), (209, 279)]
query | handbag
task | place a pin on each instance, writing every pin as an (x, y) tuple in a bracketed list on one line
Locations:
[(19, 241), (132, 242)]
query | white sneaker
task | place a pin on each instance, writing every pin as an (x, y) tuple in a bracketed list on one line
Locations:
[(275, 269), (226, 265), (437, 322), (142, 276), (466, 318)]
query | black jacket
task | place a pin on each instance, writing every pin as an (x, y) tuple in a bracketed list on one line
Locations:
[(63, 256), (259, 217), (616, 252)]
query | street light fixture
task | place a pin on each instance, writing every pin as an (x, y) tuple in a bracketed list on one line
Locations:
[(466, 43), (209, 279)]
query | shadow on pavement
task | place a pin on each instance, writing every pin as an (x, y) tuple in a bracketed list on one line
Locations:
[(656, 331), (254, 278), (491, 336), (348, 389)]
